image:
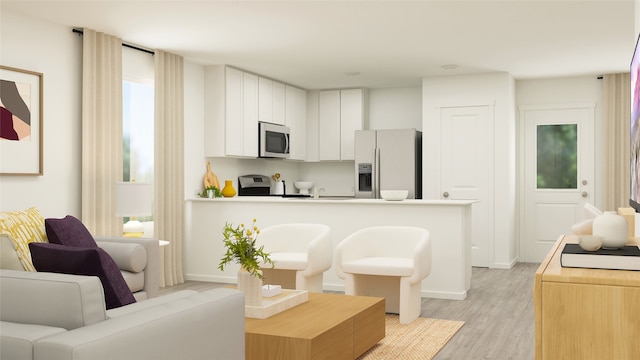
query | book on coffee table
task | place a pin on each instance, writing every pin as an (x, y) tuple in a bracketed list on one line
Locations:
[(625, 258)]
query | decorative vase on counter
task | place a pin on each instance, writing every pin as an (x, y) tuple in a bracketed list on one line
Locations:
[(228, 190), (251, 286), (613, 229)]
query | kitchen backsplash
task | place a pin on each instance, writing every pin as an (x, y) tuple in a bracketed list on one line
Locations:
[(337, 178)]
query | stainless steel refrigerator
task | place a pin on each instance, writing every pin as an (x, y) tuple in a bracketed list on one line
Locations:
[(388, 160)]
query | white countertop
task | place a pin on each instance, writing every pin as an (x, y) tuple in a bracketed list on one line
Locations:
[(334, 200)]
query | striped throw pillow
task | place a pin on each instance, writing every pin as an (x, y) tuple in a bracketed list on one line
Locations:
[(23, 227)]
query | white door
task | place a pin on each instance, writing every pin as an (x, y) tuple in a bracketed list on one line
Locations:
[(466, 165), (558, 171)]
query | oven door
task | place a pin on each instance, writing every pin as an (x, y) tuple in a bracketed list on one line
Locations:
[(274, 141)]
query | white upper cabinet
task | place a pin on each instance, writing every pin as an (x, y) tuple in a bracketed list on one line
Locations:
[(271, 101), (231, 112), (295, 119), (250, 114), (329, 125), (351, 119), (265, 99), (340, 114), (279, 103)]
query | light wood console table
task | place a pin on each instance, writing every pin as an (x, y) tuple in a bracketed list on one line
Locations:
[(585, 313)]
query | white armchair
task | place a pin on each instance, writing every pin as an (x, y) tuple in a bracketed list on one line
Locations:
[(303, 251), (389, 262)]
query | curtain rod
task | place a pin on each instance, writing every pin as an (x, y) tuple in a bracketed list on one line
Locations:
[(80, 32)]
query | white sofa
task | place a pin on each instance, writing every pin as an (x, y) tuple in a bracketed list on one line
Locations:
[(137, 258), (58, 316)]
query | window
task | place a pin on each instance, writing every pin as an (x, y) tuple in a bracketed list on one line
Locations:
[(137, 117), (557, 162), (137, 131)]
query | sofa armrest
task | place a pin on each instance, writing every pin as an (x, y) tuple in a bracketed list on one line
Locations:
[(58, 300), (152, 270), (206, 325)]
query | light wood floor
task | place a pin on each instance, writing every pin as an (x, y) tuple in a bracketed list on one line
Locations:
[(498, 314)]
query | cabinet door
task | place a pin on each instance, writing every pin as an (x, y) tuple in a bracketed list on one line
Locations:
[(278, 103), (233, 113), (329, 125), (265, 100), (351, 119), (295, 109), (250, 115), (301, 124)]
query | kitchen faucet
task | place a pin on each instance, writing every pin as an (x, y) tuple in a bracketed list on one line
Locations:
[(316, 192)]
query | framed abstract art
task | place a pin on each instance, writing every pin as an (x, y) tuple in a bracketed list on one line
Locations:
[(20, 122)]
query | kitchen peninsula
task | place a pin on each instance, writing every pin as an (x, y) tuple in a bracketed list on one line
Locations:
[(448, 221)]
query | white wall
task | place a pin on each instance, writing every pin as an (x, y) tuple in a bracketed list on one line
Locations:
[(395, 108), (194, 163), (56, 52)]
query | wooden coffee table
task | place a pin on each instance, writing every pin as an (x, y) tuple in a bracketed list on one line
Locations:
[(327, 326)]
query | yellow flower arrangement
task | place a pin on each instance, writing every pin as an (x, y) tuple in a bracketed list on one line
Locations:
[(240, 242)]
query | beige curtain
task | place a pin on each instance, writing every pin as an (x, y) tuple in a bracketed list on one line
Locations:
[(101, 131), (169, 162), (616, 114)]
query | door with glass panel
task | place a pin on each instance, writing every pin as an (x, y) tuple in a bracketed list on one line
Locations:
[(558, 173)]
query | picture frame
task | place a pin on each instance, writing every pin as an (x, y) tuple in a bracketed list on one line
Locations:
[(21, 130)]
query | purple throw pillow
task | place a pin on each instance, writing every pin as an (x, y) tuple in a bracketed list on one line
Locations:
[(84, 261), (69, 231)]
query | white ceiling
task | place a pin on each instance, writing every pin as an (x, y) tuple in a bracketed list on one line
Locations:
[(313, 44)]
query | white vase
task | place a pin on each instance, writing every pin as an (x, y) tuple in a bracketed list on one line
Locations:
[(251, 286), (613, 228)]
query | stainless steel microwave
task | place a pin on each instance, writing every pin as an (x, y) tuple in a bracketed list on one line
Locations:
[(273, 140)]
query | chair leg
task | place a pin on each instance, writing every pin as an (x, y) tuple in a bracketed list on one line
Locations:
[(311, 283), (410, 301)]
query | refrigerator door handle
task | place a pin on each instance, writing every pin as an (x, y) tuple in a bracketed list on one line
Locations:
[(376, 174)]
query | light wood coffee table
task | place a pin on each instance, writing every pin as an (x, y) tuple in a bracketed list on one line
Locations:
[(327, 326)]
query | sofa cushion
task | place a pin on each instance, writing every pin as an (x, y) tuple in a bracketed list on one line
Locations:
[(135, 281), (130, 257), (69, 231), (57, 300), (16, 340), (381, 266), (8, 256), (84, 261), (23, 227), (130, 309)]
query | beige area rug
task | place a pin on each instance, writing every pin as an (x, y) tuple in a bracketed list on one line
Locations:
[(422, 339)]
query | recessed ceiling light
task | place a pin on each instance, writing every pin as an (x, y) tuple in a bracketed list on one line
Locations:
[(352, 73), (450, 66)]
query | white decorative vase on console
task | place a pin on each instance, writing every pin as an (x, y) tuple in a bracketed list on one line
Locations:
[(613, 229)]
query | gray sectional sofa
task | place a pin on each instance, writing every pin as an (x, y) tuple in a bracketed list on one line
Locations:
[(58, 316)]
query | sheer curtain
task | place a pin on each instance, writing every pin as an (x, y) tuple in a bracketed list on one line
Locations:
[(169, 161), (616, 113), (101, 131)]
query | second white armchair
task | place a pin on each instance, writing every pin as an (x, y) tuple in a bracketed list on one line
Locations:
[(389, 262)]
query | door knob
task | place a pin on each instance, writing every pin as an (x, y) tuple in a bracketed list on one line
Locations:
[(445, 194), (584, 194)]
